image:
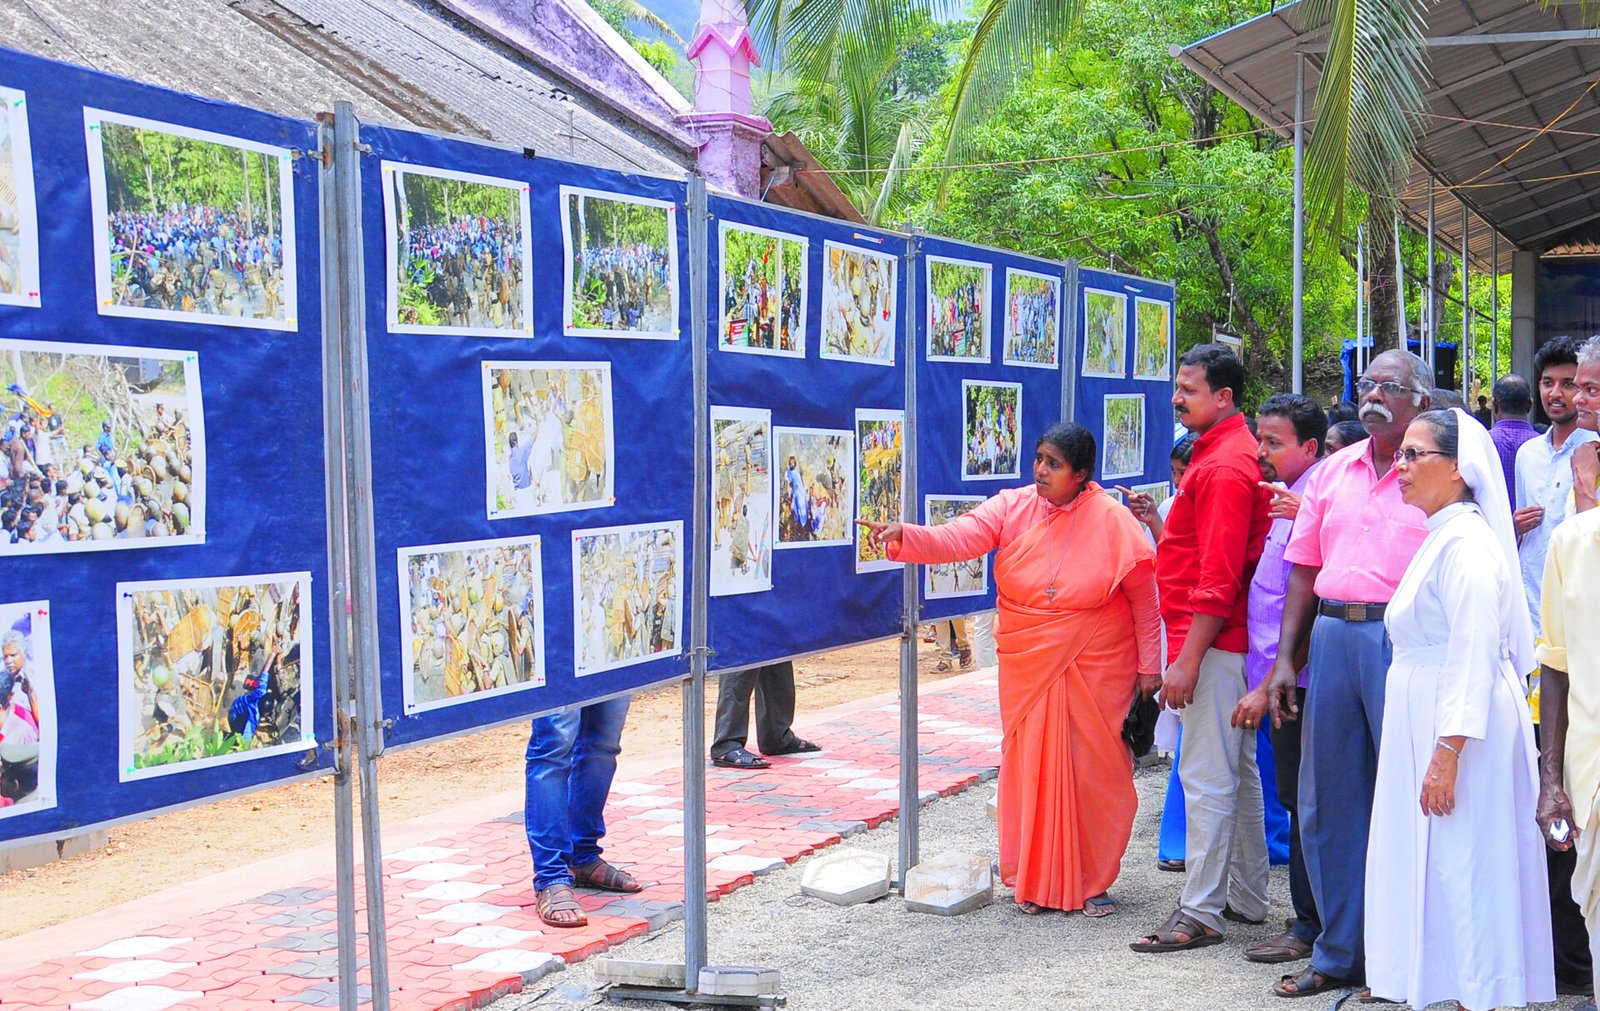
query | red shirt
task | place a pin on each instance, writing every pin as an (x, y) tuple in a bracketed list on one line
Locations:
[(1213, 538)]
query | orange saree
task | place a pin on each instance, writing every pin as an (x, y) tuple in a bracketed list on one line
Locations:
[(1077, 622)]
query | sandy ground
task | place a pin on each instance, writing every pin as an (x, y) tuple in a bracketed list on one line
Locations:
[(147, 856), (880, 957)]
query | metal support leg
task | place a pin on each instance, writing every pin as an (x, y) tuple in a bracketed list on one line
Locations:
[(1466, 309), (694, 690), (1299, 222), (1430, 329), (910, 794)]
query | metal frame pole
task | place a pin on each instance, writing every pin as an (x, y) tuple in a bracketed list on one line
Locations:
[(1466, 308), (1430, 332), (363, 600), (1494, 306), (1399, 285), (694, 689), (1299, 220), (334, 274), (910, 795), (1361, 297)]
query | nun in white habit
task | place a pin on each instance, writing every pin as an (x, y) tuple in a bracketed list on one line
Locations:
[(1457, 902)]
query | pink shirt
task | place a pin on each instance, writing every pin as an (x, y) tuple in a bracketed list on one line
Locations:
[(1355, 527)]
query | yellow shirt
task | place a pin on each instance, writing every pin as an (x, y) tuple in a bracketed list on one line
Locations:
[(1571, 643)]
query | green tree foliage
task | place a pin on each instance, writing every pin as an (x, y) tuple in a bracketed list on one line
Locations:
[(659, 53), (147, 170)]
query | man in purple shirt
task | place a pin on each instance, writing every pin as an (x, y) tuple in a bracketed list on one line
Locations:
[(1513, 402), (1291, 431)]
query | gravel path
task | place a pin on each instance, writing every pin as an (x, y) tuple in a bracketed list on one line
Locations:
[(878, 956)]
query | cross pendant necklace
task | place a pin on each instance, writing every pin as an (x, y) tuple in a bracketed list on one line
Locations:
[(1050, 591)]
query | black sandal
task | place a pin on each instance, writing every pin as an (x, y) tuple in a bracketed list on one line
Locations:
[(799, 747), (1308, 983), (739, 758)]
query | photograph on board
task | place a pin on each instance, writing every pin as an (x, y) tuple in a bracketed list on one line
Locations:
[(1152, 339), (1123, 438), (1159, 492), (549, 440), (471, 620), (19, 218), (813, 496), (763, 291), (741, 500), (953, 579), (859, 304), (880, 481), (1105, 334), (991, 414), (621, 265), (627, 595), (213, 671), (104, 448), (958, 310), (189, 225), (28, 727), (457, 253), (1033, 319)]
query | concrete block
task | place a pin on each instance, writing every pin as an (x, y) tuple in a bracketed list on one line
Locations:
[(847, 876), (48, 851), (949, 884), (738, 981), (631, 972)]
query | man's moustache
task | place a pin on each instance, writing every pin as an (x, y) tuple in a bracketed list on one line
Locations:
[(1378, 410)]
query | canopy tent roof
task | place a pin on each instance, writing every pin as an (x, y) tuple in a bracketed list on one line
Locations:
[(1512, 127)]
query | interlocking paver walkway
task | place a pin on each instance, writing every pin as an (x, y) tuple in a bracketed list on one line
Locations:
[(462, 930)]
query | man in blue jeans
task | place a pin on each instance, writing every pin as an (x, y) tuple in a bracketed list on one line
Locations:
[(572, 757)]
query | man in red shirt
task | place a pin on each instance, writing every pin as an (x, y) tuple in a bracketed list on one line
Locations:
[(1204, 564)]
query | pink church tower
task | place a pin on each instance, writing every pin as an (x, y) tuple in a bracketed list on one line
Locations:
[(723, 53)]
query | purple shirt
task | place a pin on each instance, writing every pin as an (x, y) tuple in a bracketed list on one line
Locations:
[(1268, 589), (1509, 434)]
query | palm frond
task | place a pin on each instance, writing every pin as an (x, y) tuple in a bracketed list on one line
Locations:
[(633, 10), (904, 151), (1368, 101), (1010, 37)]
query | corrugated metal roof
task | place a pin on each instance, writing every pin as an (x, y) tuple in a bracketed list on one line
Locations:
[(1488, 138), (396, 62)]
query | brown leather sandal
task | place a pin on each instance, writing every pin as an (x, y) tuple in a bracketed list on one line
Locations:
[(558, 906), (605, 877), (1180, 933), (1284, 947)]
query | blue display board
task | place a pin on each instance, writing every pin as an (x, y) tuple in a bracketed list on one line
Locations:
[(852, 358), (1124, 380), (1019, 315), (163, 279), (597, 390)]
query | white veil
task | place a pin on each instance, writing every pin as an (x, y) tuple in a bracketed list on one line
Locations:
[(1479, 464)]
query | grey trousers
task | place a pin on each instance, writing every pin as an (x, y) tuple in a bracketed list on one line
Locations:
[(1226, 839), (773, 687)]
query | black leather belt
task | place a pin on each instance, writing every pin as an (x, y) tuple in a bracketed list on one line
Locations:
[(1351, 612)]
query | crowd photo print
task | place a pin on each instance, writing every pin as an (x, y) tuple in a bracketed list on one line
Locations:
[(763, 291), (622, 265), (27, 709)]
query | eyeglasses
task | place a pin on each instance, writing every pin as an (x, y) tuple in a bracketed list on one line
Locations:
[(1390, 388), (1410, 455)]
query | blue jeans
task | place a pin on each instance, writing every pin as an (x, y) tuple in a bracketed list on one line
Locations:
[(572, 757)]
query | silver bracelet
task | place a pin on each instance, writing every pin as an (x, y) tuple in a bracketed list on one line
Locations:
[(1446, 745)]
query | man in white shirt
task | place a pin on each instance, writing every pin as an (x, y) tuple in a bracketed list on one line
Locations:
[(1544, 464)]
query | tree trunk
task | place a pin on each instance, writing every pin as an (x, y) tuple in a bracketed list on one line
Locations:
[(1384, 323)]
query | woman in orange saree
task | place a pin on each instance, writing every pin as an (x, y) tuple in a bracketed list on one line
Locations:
[(1078, 632)]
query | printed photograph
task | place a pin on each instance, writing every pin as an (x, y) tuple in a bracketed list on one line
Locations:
[(548, 434), (191, 226), (621, 266), (471, 620), (1152, 339), (859, 304), (763, 291), (741, 500), (28, 728), (1033, 319), (1105, 333), (627, 594), (19, 219), (457, 252), (814, 494), (101, 450), (213, 671), (958, 310), (953, 579), (1122, 454), (880, 481), (1159, 492), (991, 414)]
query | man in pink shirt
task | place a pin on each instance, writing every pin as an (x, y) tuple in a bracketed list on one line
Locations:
[(1351, 543)]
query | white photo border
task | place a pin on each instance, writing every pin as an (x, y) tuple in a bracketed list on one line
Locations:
[(928, 592), (1105, 437), (28, 276), (1122, 299), (722, 287), (777, 490), (720, 588), (391, 173), (985, 312), (607, 493), (894, 299), (876, 414), (1166, 365), (671, 208), (676, 528), (104, 299), (966, 384), (1055, 343), (44, 693)]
